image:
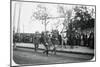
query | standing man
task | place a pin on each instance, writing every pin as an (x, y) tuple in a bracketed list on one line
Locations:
[(85, 39), (36, 41), (44, 41), (91, 40), (60, 39), (71, 39), (14, 40)]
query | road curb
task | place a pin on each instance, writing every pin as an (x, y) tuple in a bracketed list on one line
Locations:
[(62, 51)]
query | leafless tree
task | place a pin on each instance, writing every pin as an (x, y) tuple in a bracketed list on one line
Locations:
[(66, 14), (41, 14)]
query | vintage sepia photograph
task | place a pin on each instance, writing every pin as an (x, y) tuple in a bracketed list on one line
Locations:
[(44, 33)]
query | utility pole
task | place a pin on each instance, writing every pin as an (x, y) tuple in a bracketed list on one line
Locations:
[(23, 27), (14, 18), (45, 24), (18, 26), (19, 16)]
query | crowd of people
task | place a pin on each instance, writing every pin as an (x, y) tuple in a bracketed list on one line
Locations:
[(81, 40), (55, 39)]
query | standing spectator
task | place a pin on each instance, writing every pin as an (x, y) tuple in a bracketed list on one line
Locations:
[(81, 40), (60, 39), (65, 41), (68, 39), (71, 41), (91, 40), (78, 39), (85, 39), (49, 41), (74, 40), (14, 40), (36, 41)]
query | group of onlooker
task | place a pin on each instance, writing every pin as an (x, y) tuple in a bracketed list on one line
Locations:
[(79, 40), (57, 39)]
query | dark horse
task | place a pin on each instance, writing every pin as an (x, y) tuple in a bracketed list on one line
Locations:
[(55, 42), (48, 41), (44, 40)]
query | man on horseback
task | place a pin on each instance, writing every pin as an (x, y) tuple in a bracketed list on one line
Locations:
[(49, 40), (44, 41), (54, 40)]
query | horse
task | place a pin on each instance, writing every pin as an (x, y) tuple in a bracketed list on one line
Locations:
[(44, 42), (49, 41), (55, 42)]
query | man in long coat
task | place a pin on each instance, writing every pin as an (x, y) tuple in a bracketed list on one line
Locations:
[(36, 41)]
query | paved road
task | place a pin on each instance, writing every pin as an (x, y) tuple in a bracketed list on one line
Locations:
[(28, 56), (77, 49)]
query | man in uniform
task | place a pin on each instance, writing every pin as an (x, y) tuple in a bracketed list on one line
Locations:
[(36, 41), (44, 41)]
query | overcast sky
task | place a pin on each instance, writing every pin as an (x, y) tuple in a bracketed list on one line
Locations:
[(30, 25)]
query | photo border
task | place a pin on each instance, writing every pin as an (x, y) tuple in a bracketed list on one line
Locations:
[(48, 3)]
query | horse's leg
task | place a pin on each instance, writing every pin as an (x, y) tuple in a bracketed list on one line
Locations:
[(35, 47), (45, 47), (54, 49), (14, 45)]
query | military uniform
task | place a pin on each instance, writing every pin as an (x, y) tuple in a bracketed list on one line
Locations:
[(36, 42)]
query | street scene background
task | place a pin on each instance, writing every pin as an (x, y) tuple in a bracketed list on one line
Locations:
[(46, 33)]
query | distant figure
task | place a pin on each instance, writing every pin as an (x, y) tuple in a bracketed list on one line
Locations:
[(85, 39), (49, 41), (42, 38), (14, 41), (60, 39), (91, 40), (65, 41), (82, 41), (70, 39), (36, 41), (78, 39), (74, 41)]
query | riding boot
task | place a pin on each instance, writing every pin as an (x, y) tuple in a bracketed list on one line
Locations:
[(47, 52), (35, 48), (44, 51), (54, 50)]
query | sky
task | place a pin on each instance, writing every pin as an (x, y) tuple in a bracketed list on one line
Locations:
[(28, 24)]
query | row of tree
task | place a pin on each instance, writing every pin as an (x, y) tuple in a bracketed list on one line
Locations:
[(83, 17)]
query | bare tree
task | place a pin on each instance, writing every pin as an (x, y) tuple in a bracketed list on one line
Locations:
[(66, 14), (41, 14)]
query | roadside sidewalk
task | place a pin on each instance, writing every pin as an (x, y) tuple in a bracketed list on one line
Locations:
[(76, 49)]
